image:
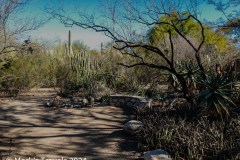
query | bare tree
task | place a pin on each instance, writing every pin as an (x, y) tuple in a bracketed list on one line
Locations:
[(229, 22), (132, 43), (13, 27)]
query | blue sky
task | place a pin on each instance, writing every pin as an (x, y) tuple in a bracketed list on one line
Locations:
[(53, 30)]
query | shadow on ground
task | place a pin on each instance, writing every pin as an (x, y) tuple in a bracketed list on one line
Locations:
[(29, 129)]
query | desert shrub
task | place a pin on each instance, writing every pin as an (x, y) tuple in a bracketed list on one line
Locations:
[(90, 83), (105, 98), (114, 82), (13, 85), (212, 90), (184, 138), (18, 75), (26, 71), (209, 131), (118, 83), (151, 91), (217, 92)]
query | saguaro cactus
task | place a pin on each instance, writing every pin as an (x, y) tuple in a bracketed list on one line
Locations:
[(69, 42)]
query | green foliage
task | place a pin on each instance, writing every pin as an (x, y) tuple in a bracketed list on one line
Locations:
[(105, 98), (72, 70), (217, 93), (189, 28), (191, 72), (18, 75), (150, 92)]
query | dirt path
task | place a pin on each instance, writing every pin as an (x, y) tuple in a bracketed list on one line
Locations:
[(29, 129)]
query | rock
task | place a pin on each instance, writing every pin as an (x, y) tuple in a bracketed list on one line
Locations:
[(114, 101), (133, 126), (129, 104), (91, 100), (158, 154), (122, 101), (128, 99), (48, 104), (1, 117), (136, 104), (85, 102), (145, 103), (118, 104), (112, 104), (77, 105), (56, 102), (134, 100)]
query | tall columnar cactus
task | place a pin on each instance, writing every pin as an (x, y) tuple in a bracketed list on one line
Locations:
[(69, 42), (79, 62)]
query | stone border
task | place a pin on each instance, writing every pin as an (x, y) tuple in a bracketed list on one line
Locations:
[(129, 101)]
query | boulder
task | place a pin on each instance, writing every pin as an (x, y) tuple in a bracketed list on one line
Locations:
[(118, 104), (158, 154), (129, 104), (133, 126), (114, 100), (84, 102), (134, 100), (145, 102), (48, 104)]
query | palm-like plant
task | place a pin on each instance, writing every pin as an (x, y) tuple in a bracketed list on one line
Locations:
[(216, 93)]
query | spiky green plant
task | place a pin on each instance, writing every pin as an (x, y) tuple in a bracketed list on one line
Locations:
[(190, 70), (216, 94)]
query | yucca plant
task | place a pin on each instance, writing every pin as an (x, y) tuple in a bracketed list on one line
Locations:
[(216, 94), (190, 70), (172, 79)]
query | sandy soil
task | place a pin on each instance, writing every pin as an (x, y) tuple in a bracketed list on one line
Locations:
[(27, 128)]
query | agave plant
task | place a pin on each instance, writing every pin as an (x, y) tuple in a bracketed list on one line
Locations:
[(216, 94)]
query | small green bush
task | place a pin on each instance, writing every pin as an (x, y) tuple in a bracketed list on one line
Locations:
[(152, 92), (105, 98)]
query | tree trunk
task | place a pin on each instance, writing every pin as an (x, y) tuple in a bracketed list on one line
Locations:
[(186, 93)]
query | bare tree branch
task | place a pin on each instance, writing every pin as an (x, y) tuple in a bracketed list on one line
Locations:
[(148, 65), (147, 17), (172, 47), (12, 26)]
